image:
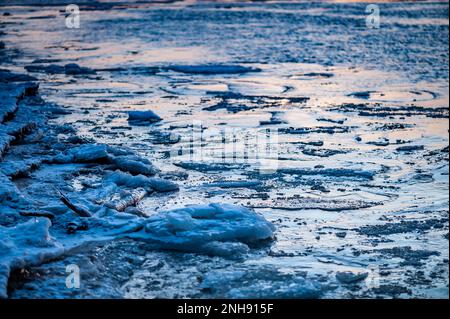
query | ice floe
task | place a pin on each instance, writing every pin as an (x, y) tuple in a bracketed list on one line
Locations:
[(142, 117)]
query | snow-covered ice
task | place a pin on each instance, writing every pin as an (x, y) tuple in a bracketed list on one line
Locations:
[(223, 230)]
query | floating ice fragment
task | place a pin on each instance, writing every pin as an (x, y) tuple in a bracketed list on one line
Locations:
[(8, 190), (235, 184), (333, 172), (362, 95), (162, 185), (318, 74)]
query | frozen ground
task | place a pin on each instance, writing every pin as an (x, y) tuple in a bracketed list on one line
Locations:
[(352, 200)]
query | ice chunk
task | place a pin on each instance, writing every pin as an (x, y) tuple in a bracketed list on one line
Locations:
[(19, 168), (63, 158), (410, 148), (333, 172), (235, 184), (211, 69), (348, 277), (299, 289), (135, 165), (152, 184), (143, 117), (214, 229), (225, 249)]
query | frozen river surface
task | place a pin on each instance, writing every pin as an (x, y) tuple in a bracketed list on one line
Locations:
[(334, 133)]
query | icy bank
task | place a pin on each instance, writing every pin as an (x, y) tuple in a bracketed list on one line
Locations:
[(214, 229), (26, 244)]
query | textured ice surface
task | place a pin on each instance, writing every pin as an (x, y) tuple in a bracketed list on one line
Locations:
[(223, 230), (263, 283), (150, 183)]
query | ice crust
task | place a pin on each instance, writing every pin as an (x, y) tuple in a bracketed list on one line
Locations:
[(215, 229)]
